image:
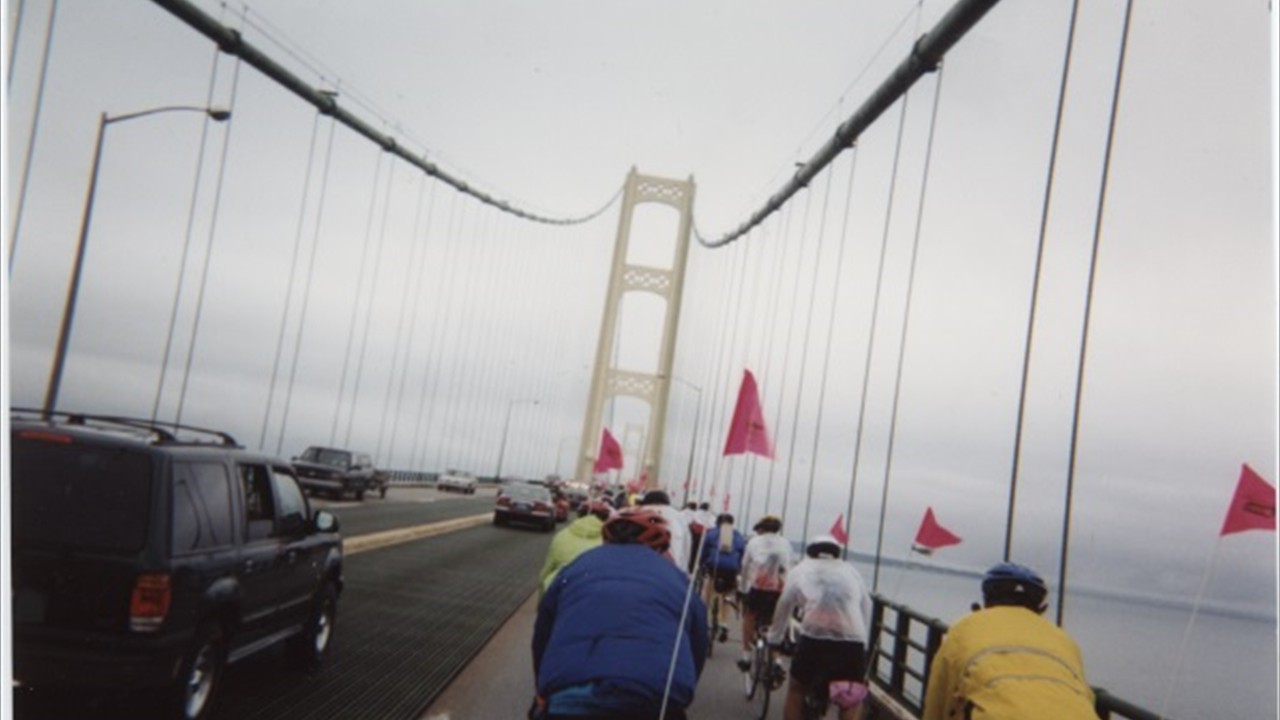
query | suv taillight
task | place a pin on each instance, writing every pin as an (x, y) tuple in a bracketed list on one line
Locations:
[(150, 602)]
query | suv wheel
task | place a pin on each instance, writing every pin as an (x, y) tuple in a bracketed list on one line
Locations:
[(312, 646), (192, 698)]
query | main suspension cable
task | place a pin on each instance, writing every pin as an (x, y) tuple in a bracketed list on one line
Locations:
[(232, 42), (924, 57)]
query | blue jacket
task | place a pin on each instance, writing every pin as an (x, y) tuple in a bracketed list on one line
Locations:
[(610, 618), (715, 558)]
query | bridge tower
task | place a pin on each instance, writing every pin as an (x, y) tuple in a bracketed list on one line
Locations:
[(609, 381)]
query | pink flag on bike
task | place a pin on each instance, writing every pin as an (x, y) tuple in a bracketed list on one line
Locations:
[(610, 455), (1253, 507), (838, 532), (932, 536), (747, 431)]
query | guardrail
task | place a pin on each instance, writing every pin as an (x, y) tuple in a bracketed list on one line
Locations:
[(904, 643)]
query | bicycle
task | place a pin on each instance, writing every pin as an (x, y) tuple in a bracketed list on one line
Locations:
[(764, 675)]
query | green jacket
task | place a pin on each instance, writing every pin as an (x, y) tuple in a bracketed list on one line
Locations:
[(581, 535)]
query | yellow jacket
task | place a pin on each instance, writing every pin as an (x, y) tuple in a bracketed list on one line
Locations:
[(1008, 663)]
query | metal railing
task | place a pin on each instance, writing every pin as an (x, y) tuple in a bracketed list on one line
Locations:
[(902, 649)]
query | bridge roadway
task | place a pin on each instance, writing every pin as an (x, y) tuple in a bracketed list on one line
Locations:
[(414, 628)]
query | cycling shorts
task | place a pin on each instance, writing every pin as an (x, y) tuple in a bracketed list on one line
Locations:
[(762, 603), (821, 661), (726, 579)]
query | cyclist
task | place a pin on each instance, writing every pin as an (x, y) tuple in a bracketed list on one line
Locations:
[(835, 618), (581, 535), (764, 565), (609, 623), (1008, 640), (722, 549), (680, 549)]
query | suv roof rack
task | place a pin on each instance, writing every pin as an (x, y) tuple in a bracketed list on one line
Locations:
[(163, 432)]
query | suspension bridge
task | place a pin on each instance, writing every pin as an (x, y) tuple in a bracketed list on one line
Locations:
[(1022, 274)]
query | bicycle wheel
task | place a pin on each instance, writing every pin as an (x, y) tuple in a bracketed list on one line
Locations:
[(766, 673)]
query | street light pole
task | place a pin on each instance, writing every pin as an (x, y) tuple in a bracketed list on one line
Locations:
[(69, 310), (506, 426)]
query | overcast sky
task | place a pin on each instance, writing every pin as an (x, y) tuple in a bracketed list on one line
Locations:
[(548, 105)]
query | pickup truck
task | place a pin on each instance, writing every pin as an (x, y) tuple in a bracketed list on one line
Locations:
[(336, 472)]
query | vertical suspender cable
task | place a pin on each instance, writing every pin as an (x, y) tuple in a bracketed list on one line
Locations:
[(1088, 307), (721, 381), (293, 274), (373, 297), (405, 292), (871, 331), (733, 338), (776, 293), (720, 364), (831, 327), (1035, 284), (306, 290), (35, 129), (906, 325), (187, 237), (421, 236), (208, 251), (355, 301), (786, 358), (13, 38), (440, 331), (804, 349)]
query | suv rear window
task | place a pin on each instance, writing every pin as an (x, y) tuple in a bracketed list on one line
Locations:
[(78, 496), (337, 458)]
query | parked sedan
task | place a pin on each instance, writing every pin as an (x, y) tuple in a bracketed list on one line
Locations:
[(520, 502)]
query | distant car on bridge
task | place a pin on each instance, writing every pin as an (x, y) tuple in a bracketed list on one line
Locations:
[(525, 503), (338, 473), (457, 481)]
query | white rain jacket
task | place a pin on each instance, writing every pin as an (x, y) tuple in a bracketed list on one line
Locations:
[(834, 600), (680, 541), (765, 562)]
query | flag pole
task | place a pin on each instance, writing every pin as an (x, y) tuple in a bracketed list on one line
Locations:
[(1186, 634)]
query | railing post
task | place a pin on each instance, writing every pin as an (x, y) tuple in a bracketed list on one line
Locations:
[(901, 644), (877, 634), (933, 641)]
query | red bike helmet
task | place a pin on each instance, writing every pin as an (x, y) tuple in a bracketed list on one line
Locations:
[(638, 525)]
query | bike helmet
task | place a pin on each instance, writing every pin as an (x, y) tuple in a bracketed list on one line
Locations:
[(823, 546), (768, 524), (1013, 584), (644, 526), (600, 509), (656, 497)]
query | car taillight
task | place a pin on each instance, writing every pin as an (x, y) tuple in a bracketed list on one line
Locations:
[(46, 436), (150, 602)]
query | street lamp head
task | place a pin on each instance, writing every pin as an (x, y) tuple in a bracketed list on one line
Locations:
[(218, 114)]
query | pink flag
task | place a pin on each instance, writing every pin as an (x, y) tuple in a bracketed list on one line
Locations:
[(610, 455), (932, 536), (1254, 505), (838, 532), (747, 432)]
